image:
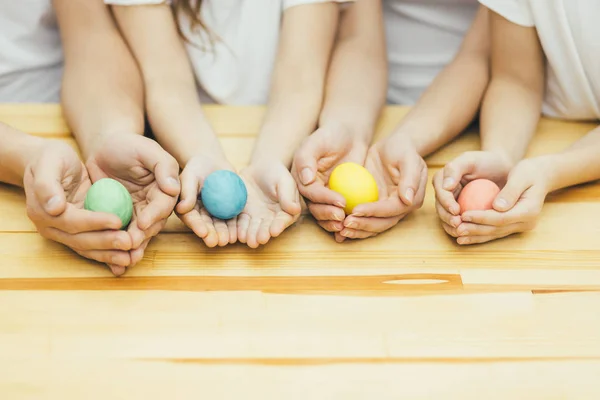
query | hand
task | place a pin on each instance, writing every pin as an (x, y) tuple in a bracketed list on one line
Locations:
[(56, 183), (449, 181), (313, 163), (273, 203), (149, 173), (401, 175), (516, 208), (190, 210)]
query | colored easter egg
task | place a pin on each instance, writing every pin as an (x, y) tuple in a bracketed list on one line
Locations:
[(110, 196), (478, 195), (355, 183), (224, 194)]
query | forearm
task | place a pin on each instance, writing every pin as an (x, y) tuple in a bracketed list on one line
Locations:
[(16, 151), (449, 105), (357, 80), (510, 113), (102, 89), (578, 164)]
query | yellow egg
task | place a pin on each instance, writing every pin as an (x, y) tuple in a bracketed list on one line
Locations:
[(355, 183)]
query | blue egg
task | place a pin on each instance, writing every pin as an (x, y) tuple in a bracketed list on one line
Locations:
[(224, 194)]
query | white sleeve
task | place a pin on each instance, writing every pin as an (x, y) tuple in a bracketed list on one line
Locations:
[(135, 2), (516, 11), (291, 3)]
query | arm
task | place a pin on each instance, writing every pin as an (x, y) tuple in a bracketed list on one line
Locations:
[(298, 81), (512, 105), (357, 78), (172, 101), (102, 91), (452, 101), (17, 149)]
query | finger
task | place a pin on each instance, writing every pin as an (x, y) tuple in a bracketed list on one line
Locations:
[(281, 222), (338, 237), (137, 235), (456, 169), (445, 197), (410, 178), (317, 193), (524, 211), (243, 223), (138, 254), (232, 228), (287, 192), (305, 160), (190, 187), (264, 232), (222, 232), (468, 240), (212, 237), (325, 212), (390, 207), (356, 234), (101, 240), (195, 222), (164, 167), (160, 207), (511, 193), (76, 220), (113, 257), (450, 230), (331, 226), (370, 224), (117, 270), (47, 184), (447, 218), (252, 241), (468, 229)]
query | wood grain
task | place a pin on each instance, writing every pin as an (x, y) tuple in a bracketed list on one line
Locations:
[(408, 314)]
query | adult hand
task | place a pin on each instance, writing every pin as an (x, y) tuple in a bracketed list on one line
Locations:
[(273, 203), (56, 183), (449, 181), (150, 174), (516, 208), (314, 161), (401, 175), (190, 210)]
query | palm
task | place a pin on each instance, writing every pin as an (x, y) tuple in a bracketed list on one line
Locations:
[(385, 173), (262, 201)]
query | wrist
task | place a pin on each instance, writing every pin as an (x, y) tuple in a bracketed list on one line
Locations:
[(94, 143), (15, 157), (360, 133), (547, 167)]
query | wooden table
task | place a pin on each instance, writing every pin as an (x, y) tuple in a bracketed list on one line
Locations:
[(408, 314)]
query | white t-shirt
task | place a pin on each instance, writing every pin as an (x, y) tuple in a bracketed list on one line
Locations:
[(423, 36), (31, 56), (569, 31), (238, 68)]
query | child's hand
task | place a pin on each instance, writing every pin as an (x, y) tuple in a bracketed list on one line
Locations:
[(56, 183), (149, 173), (401, 175), (449, 181), (516, 208), (273, 203), (212, 231), (314, 161)]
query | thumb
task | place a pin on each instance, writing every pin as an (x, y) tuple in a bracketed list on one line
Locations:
[(48, 174), (164, 166), (288, 196), (456, 169), (305, 160), (410, 177), (511, 193)]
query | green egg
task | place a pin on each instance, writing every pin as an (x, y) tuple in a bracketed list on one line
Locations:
[(110, 196)]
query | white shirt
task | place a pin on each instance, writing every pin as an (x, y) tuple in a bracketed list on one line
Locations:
[(239, 67), (423, 36), (30, 52), (569, 32)]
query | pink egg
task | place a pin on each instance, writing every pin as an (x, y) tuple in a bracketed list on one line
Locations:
[(478, 195)]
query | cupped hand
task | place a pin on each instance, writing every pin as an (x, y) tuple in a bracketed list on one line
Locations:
[(516, 208), (150, 174), (56, 183), (212, 231), (449, 181), (314, 162), (401, 176), (273, 203)]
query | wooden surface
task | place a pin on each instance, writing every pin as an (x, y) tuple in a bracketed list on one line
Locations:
[(408, 314)]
